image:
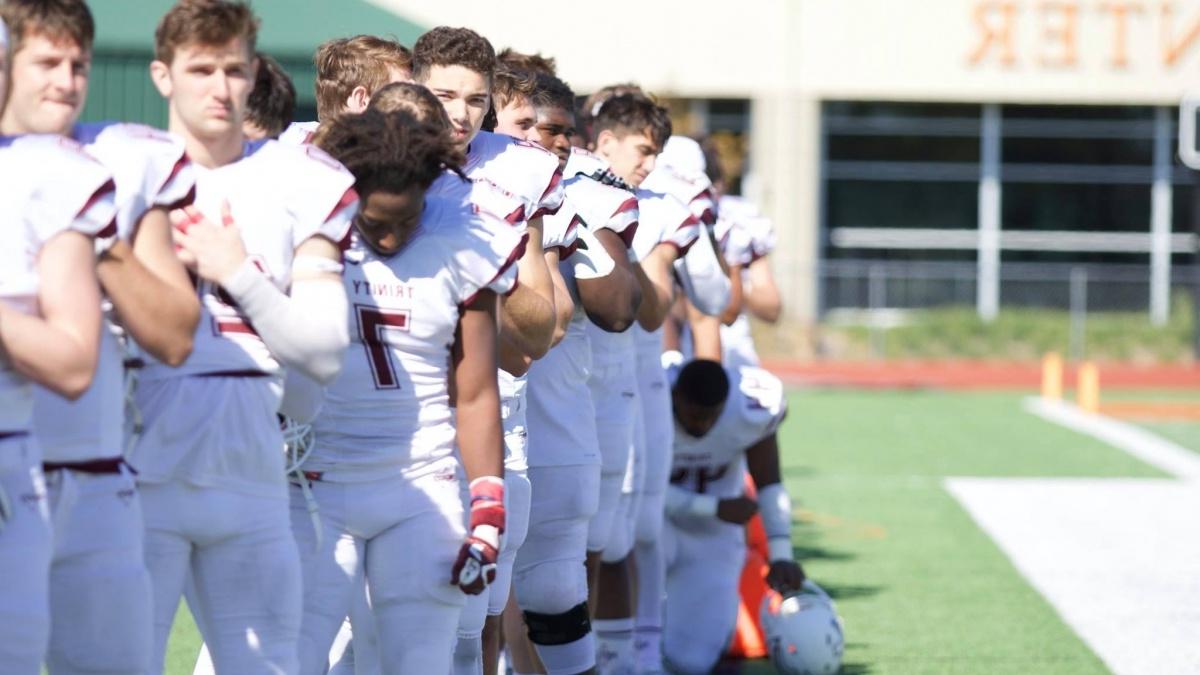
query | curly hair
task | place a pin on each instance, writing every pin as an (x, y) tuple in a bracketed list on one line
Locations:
[(633, 113), (359, 61), (204, 22), (54, 19), (447, 46), (272, 102), (532, 62), (413, 99), (390, 151)]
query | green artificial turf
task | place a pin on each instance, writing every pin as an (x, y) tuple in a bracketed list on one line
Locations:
[(920, 587)]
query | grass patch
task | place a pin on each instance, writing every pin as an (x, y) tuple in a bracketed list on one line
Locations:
[(921, 588)]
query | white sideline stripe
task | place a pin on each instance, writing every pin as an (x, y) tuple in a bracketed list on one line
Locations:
[(1118, 559), (1146, 446)]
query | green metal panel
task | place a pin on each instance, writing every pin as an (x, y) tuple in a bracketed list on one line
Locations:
[(120, 86), (290, 28)]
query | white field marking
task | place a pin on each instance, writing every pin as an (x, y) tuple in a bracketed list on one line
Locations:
[(1119, 559), (1146, 446)]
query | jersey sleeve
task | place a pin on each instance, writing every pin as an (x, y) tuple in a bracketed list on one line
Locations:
[(762, 238), (604, 207), (486, 251), (552, 195), (73, 191), (321, 197), (151, 169), (704, 207), (560, 230), (670, 219), (735, 243)]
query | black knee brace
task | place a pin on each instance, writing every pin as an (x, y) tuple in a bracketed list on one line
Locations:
[(559, 629)]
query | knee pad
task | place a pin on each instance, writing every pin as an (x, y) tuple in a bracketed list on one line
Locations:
[(498, 590), (559, 629), (650, 518), (553, 587)]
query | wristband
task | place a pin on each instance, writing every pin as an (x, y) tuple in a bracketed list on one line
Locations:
[(487, 504)]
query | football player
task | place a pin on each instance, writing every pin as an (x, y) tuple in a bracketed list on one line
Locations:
[(551, 582), (55, 201), (100, 589), (263, 242), (425, 274), (629, 131), (272, 101), (747, 237), (350, 71), (725, 424)]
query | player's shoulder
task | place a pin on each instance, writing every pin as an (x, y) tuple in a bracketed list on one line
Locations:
[(665, 206), (471, 241), (760, 396), (511, 151), (127, 135), (295, 169), (584, 162), (591, 196), (298, 133), (683, 186)]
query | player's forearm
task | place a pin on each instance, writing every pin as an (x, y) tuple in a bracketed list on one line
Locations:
[(512, 360), (564, 307), (59, 348), (612, 301), (307, 330), (680, 502), (477, 396), (527, 319), (61, 360), (160, 316), (762, 298), (658, 290), (706, 335), (734, 308)]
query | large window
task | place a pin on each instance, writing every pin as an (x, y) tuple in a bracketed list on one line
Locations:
[(901, 184)]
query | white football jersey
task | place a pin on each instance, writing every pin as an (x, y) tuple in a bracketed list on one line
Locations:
[(280, 196), (715, 463), (389, 413), (743, 233), (521, 168), (299, 133), (693, 189), (150, 169), (50, 186)]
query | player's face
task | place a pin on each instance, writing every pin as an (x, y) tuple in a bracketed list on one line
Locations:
[(516, 119), (554, 130), (695, 420), (386, 220), (49, 86), (207, 87), (631, 156), (465, 94)]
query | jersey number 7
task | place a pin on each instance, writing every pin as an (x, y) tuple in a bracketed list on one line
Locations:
[(373, 324)]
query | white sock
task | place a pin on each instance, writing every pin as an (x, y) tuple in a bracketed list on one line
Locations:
[(614, 646), (647, 647)]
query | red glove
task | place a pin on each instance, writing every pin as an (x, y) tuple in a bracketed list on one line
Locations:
[(475, 567)]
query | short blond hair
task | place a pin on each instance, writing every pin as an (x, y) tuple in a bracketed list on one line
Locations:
[(345, 64)]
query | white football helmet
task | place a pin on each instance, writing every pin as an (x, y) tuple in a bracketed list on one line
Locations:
[(803, 631)]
